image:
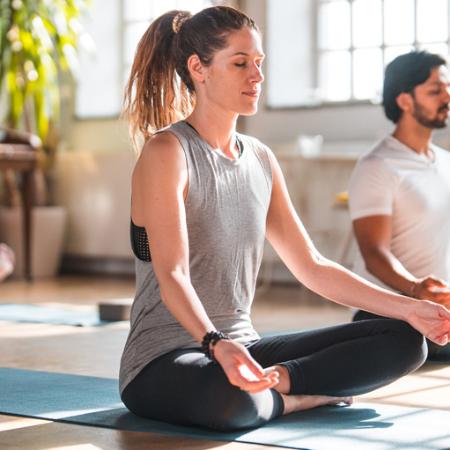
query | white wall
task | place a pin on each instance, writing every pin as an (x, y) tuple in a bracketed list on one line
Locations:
[(94, 186)]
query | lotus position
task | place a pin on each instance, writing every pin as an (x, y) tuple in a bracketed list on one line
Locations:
[(400, 190), (204, 198)]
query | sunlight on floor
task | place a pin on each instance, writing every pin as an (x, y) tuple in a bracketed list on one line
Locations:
[(20, 422)]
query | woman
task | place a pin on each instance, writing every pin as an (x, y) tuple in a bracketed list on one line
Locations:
[(206, 197)]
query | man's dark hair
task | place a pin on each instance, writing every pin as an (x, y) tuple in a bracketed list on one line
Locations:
[(403, 74)]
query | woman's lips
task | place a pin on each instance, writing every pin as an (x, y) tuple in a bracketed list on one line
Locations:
[(252, 93)]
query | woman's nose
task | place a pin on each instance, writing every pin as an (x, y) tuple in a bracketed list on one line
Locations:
[(257, 75)]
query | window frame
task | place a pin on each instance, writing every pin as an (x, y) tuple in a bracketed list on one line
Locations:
[(317, 52)]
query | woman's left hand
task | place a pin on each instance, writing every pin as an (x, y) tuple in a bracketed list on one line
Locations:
[(430, 319)]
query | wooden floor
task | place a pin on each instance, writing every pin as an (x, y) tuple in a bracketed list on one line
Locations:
[(96, 351)]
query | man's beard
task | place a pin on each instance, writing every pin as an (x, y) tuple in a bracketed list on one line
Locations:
[(421, 117)]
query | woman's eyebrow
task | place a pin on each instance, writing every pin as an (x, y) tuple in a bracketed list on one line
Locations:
[(260, 55)]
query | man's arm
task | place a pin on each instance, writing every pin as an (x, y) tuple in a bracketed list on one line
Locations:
[(373, 234)]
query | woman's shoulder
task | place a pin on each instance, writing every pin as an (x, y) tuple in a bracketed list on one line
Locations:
[(164, 143), (161, 153)]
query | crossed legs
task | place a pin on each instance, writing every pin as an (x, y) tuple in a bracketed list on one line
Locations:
[(318, 367)]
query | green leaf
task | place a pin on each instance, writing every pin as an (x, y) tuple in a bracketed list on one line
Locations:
[(45, 42)]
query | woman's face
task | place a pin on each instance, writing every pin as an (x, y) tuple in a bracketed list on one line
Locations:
[(234, 77)]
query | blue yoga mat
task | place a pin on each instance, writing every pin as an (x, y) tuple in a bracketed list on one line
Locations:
[(95, 401), (45, 314)]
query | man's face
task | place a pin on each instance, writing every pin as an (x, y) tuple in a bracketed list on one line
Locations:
[(431, 99)]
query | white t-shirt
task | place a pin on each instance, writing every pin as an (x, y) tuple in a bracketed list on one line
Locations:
[(414, 189)]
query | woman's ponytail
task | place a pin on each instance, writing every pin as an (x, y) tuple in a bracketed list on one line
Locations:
[(154, 96), (160, 90)]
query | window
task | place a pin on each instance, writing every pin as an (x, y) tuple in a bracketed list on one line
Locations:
[(116, 27), (348, 45)]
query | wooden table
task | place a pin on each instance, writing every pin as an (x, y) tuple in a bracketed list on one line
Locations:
[(22, 158)]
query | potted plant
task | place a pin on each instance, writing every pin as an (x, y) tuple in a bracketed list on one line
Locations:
[(38, 44)]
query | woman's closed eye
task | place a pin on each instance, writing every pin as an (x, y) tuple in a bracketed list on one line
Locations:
[(244, 64)]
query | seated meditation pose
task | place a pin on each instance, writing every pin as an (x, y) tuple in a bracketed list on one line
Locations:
[(400, 190), (204, 198)]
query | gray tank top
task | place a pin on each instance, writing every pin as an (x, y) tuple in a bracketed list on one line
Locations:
[(226, 210)]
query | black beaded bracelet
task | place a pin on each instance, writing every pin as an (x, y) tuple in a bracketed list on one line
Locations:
[(210, 340)]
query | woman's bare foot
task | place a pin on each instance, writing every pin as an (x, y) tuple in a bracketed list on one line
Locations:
[(7, 261), (284, 381), (293, 403)]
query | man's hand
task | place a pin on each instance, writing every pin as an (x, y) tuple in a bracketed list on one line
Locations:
[(434, 289), (241, 369)]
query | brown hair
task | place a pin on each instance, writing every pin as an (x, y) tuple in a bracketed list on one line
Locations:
[(160, 90)]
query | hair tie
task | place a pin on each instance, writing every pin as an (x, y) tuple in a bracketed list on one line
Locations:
[(179, 20)]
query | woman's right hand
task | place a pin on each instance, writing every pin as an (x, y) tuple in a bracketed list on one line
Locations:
[(241, 369), (430, 319)]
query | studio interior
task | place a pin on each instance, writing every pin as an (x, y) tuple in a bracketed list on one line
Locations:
[(320, 87)]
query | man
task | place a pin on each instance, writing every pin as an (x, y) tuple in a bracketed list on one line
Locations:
[(400, 191)]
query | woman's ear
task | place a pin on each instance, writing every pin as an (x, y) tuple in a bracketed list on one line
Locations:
[(197, 70), (405, 101)]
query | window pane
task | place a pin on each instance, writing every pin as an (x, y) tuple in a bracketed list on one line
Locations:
[(398, 31), (334, 25), (392, 52), (132, 35), (137, 9), (289, 73), (367, 73), (334, 75), (432, 21), (99, 89), (190, 5), (367, 28), (159, 7)]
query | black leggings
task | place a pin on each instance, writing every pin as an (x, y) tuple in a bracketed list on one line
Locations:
[(184, 387), (435, 352)]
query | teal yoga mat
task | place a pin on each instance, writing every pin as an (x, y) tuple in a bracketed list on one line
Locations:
[(45, 314), (95, 402)]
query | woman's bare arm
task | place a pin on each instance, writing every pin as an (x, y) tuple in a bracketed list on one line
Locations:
[(159, 183), (289, 238)]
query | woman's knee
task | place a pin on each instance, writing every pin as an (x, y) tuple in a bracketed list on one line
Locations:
[(240, 410), (411, 345)]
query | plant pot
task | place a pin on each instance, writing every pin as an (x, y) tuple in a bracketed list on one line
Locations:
[(47, 238)]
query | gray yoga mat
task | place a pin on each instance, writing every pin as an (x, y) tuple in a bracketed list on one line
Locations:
[(45, 314), (95, 402)]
